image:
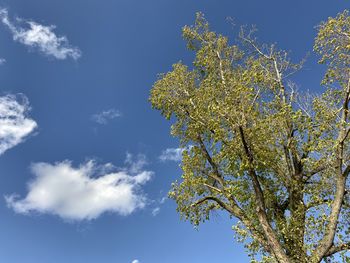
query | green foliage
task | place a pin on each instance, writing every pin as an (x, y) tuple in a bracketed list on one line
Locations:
[(269, 156)]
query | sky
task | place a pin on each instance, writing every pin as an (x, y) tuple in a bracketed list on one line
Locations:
[(85, 163)]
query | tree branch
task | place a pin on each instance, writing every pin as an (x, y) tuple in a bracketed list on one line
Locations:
[(326, 242), (237, 212), (337, 248), (321, 168), (259, 197), (218, 176)]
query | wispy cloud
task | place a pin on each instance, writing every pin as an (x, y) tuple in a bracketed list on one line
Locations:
[(135, 163), (135, 261), (2, 61), (163, 200), (172, 154), (14, 123), (105, 116), (82, 193), (156, 211), (157, 205), (40, 37)]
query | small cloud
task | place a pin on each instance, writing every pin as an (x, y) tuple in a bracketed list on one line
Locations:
[(15, 126), (105, 116), (172, 154), (40, 37), (135, 164), (81, 193), (163, 200), (157, 205), (135, 261), (2, 61), (156, 211)]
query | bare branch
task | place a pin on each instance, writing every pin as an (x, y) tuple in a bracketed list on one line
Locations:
[(337, 248), (211, 162), (213, 188), (319, 169)]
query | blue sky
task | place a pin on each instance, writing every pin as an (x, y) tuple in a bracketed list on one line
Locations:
[(84, 163)]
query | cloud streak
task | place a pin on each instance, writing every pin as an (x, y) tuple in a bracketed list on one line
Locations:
[(15, 126), (81, 193), (156, 211), (105, 116), (171, 154), (40, 37)]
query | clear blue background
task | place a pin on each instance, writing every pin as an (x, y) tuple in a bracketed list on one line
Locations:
[(124, 45)]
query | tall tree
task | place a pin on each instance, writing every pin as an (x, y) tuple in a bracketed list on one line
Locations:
[(275, 159)]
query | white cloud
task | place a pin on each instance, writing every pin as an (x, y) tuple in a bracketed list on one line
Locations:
[(40, 37), (171, 154), (81, 193), (2, 61), (135, 164), (14, 123), (163, 200), (105, 116), (135, 261), (156, 211)]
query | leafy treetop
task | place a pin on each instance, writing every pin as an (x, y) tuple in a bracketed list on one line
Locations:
[(274, 158)]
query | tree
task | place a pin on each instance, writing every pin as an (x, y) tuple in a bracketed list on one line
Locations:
[(275, 159)]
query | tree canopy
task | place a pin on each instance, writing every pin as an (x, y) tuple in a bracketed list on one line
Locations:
[(275, 158)]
